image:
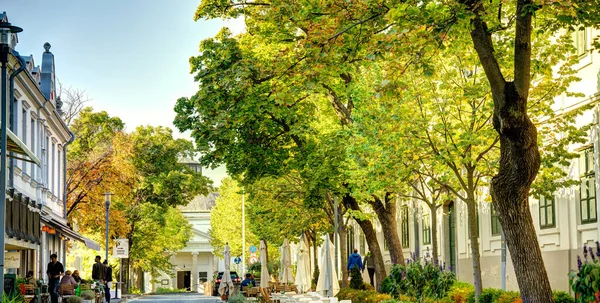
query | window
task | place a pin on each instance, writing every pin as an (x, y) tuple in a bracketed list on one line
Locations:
[(53, 167), (24, 126), (546, 212), (361, 238), (32, 124), (587, 192), (203, 276), (350, 241), (426, 229), (405, 236), (496, 227), (581, 41)]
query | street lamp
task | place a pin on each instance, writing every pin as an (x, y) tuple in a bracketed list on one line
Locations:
[(107, 204), (6, 30)]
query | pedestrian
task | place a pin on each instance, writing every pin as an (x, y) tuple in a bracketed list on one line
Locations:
[(108, 280), (369, 263), (98, 270), (355, 261), (54, 270)]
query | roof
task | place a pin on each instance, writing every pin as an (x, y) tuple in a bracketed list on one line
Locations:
[(3, 17), (201, 203)]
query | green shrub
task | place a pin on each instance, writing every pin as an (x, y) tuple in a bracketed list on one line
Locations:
[(356, 280), (166, 290), (87, 295), (509, 297), (459, 292), (363, 296), (418, 281), (488, 295), (73, 300), (562, 297), (237, 298)]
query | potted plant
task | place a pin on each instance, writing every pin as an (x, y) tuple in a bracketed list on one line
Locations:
[(87, 296), (73, 300)]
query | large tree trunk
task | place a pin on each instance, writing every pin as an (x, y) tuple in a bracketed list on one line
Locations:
[(371, 237), (474, 237), (386, 213), (434, 233), (519, 153), (125, 276), (519, 164)]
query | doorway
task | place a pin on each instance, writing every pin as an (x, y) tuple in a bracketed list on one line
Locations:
[(184, 279)]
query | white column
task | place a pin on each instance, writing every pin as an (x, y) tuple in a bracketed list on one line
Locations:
[(195, 274), (174, 279)]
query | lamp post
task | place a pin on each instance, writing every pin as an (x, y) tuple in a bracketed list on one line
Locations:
[(107, 204), (243, 234), (6, 29)]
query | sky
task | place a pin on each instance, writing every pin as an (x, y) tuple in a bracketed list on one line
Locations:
[(129, 56)]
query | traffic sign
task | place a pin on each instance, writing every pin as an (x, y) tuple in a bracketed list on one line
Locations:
[(253, 249), (237, 260), (252, 260)]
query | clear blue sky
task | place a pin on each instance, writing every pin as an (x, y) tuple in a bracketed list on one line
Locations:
[(130, 56)]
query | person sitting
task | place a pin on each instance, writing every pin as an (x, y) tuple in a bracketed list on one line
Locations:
[(29, 276), (68, 279), (248, 281), (76, 276)]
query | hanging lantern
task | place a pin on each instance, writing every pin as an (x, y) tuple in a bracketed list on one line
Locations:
[(45, 228), (51, 231)]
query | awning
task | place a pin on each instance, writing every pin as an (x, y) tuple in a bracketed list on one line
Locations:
[(68, 232), (15, 145)]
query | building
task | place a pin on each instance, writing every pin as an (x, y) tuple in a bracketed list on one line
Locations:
[(194, 264), (36, 224), (564, 222)]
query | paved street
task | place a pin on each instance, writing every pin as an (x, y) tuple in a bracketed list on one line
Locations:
[(176, 298)]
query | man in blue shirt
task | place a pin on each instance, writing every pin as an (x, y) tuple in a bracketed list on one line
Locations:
[(248, 281), (355, 261)]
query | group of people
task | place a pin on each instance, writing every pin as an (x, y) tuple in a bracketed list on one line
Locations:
[(356, 261), (101, 273)]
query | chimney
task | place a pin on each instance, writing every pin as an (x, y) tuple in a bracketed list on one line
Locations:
[(47, 74)]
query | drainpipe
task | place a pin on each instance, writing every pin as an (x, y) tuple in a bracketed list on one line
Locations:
[(13, 110), (44, 240)]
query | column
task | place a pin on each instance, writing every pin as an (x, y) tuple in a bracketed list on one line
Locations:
[(174, 278), (195, 273), (211, 269)]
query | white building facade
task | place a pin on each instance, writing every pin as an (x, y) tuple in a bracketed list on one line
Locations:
[(36, 224)]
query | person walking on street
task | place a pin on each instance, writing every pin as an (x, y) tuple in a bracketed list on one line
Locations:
[(98, 270), (108, 281), (54, 270), (355, 261), (369, 263)]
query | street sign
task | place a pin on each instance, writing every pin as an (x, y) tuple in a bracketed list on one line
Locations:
[(252, 260), (121, 249), (237, 260), (253, 249)]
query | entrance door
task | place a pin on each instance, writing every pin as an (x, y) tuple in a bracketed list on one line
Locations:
[(452, 235), (184, 279)]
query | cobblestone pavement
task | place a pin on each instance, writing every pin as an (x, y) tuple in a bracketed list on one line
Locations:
[(175, 298)]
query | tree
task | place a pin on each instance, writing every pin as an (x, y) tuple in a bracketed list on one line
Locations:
[(226, 220)]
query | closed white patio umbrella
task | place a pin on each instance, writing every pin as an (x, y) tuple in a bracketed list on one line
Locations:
[(303, 267), (226, 282), (328, 284), (286, 262), (265, 277)]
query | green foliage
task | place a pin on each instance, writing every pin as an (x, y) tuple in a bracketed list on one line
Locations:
[(356, 279), (315, 276), (87, 295), (585, 281), (363, 296), (73, 299), (488, 295), (236, 298), (12, 299), (460, 291), (226, 221), (167, 290), (562, 297), (418, 281)]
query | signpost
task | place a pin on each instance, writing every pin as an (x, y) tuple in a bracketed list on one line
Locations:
[(121, 250)]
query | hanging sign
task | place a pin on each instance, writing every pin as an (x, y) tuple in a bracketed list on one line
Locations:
[(12, 259)]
